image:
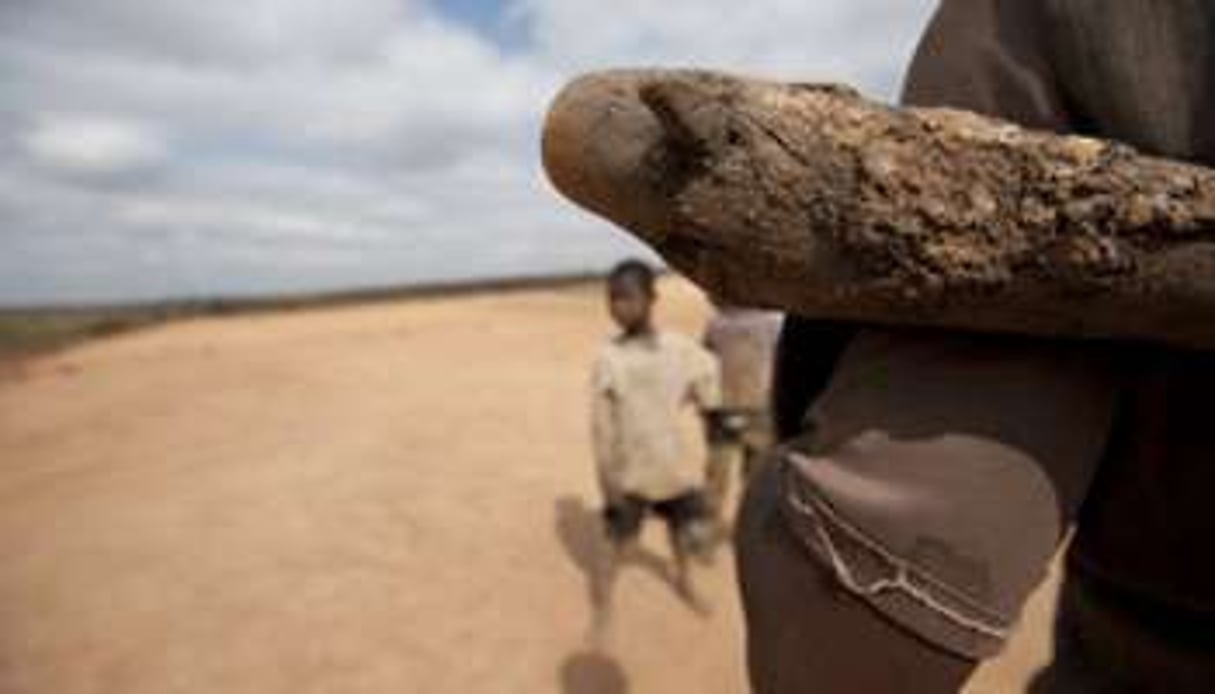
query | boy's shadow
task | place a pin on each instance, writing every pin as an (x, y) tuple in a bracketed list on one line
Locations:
[(590, 672), (580, 529)]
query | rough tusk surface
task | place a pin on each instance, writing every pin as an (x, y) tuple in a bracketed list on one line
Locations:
[(811, 199)]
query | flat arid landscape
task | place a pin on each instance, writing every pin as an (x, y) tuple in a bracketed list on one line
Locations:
[(396, 497)]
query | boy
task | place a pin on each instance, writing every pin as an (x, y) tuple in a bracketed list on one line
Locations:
[(643, 379)]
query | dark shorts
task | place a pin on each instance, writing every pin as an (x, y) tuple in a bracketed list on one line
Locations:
[(625, 516)]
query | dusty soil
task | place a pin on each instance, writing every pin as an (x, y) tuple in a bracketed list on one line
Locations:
[(392, 498)]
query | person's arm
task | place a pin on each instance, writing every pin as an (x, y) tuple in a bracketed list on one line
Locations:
[(704, 391), (992, 57), (604, 431), (705, 385), (710, 340), (1140, 72)]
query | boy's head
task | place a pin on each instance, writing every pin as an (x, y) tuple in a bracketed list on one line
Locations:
[(630, 287)]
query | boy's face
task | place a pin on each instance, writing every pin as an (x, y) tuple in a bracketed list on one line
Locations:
[(630, 304)]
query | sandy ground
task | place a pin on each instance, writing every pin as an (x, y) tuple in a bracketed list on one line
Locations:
[(390, 498)]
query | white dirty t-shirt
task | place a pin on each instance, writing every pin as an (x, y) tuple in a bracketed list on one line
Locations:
[(641, 389)]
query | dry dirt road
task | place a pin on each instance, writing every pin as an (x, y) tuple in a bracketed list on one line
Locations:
[(390, 498)]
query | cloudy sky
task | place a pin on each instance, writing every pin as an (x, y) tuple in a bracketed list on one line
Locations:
[(169, 148)]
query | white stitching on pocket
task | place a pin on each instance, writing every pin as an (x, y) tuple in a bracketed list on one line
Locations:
[(818, 510)]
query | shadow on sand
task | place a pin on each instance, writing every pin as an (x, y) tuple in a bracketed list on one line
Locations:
[(591, 672)]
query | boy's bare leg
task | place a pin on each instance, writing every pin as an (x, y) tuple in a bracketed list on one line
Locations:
[(692, 540)]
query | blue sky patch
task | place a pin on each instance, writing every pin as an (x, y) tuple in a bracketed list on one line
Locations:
[(490, 18)]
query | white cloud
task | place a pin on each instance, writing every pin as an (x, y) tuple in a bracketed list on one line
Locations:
[(93, 145), (177, 147), (228, 35)]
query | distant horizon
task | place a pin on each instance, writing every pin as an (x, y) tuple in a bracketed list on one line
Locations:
[(372, 291), (355, 293), (442, 269)]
